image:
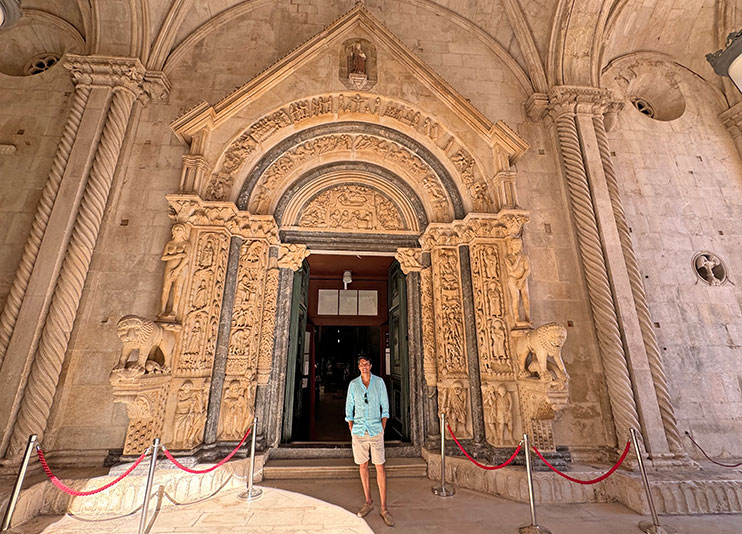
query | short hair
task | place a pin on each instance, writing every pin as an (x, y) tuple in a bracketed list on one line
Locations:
[(362, 356)]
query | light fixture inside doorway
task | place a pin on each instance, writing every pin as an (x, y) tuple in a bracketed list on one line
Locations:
[(728, 62), (347, 279)]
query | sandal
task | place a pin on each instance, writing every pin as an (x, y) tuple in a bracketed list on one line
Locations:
[(365, 509)]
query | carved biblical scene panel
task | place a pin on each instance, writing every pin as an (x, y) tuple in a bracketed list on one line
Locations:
[(351, 207), (454, 400), (203, 304), (450, 342), (190, 398), (500, 413), (238, 408)]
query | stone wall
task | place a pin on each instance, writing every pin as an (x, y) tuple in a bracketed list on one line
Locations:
[(681, 187)]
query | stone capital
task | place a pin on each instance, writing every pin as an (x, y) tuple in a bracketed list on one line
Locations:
[(570, 99), (291, 256), (107, 71), (410, 260), (505, 224)]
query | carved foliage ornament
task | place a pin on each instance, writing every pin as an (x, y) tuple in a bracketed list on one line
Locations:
[(450, 342)]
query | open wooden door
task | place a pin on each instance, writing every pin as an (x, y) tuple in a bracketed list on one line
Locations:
[(398, 368), (295, 403)]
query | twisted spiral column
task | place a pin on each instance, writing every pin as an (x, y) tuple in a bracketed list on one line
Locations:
[(47, 365), (13, 303), (601, 301), (640, 298)]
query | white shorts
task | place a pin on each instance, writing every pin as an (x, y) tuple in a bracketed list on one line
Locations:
[(363, 446)]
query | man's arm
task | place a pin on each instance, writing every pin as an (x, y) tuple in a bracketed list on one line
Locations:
[(349, 405), (384, 404)]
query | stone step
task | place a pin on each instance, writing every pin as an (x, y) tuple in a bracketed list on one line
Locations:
[(325, 468)]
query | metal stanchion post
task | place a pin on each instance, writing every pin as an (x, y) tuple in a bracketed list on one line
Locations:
[(18, 483), (148, 485), (442, 490), (645, 526), (534, 527), (252, 494)]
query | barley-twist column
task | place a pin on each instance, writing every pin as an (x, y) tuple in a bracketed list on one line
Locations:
[(43, 212), (42, 383), (640, 298), (601, 300)]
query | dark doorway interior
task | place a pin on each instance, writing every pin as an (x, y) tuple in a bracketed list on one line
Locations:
[(336, 352)]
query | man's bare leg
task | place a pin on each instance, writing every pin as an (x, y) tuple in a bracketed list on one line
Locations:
[(381, 481), (363, 468)]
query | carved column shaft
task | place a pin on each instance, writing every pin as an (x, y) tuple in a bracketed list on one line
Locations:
[(41, 219), (601, 299), (637, 288), (42, 383)]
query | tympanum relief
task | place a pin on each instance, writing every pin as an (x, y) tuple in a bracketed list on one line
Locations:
[(351, 207)]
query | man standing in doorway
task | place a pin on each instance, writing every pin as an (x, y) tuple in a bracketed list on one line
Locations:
[(367, 411)]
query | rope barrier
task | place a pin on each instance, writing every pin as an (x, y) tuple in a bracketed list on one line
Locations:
[(486, 467), (210, 469), (593, 481), (58, 483), (707, 456)]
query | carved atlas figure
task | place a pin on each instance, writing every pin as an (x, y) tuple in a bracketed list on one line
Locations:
[(543, 342)]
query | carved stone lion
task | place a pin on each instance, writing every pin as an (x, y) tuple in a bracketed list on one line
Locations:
[(543, 342), (144, 336)]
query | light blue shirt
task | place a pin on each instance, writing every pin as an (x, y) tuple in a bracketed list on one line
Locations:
[(367, 416)]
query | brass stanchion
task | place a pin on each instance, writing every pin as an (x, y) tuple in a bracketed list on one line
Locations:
[(645, 526), (18, 483), (252, 494), (442, 490), (534, 527), (148, 485)]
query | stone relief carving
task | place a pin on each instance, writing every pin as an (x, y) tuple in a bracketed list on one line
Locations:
[(354, 146), (245, 147), (351, 207), (455, 405), (498, 415), (291, 256), (238, 402), (145, 407), (430, 365), (268, 326), (449, 312), (544, 344), (410, 259), (710, 268), (144, 337), (175, 256), (204, 304), (247, 309), (190, 416), (519, 268), (488, 307)]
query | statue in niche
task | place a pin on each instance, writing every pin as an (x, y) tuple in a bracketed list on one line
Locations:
[(237, 401), (519, 269), (189, 415), (454, 406), (497, 335), (499, 415), (194, 340), (175, 256), (201, 297), (490, 262), (207, 255), (357, 60), (494, 301)]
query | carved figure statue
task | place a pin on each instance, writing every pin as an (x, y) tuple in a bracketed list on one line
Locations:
[(142, 335), (499, 415), (189, 415), (518, 268), (175, 257), (543, 342), (357, 63), (236, 408), (454, 406), (705, 264)]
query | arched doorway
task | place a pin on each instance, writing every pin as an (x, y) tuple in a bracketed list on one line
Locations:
[(344, 305)]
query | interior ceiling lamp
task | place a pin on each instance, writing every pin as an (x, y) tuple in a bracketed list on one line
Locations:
[(347, 279), (10, 12), (728, 62)]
